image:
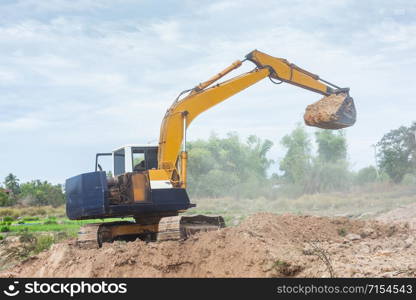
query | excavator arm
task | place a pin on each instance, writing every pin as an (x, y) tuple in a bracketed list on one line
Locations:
[(283, 70), (172, 162)]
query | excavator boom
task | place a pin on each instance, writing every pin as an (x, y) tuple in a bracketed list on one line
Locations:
[(333, 112)]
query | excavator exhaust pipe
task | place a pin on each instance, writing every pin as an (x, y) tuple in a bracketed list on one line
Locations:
[(335, 111)]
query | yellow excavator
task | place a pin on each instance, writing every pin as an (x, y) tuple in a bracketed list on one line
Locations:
[(148, 183)]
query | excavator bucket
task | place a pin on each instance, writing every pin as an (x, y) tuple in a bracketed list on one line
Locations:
[(331, 112)]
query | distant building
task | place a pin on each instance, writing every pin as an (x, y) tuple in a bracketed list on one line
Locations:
[(5, 191)]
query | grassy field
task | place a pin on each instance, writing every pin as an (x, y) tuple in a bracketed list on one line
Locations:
[(56, 225), (18, 220)]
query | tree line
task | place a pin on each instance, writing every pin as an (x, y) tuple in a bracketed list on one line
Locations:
[(239, 168), (231, 167), (35, 192)]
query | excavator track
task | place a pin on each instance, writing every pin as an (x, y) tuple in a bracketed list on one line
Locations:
[(182, 227), (87, 235), (152, 229)]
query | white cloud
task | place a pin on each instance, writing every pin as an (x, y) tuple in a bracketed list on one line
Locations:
[(395, 36), (22, 124), (7, 77), (221, 6), (59, 5), (168, 31)]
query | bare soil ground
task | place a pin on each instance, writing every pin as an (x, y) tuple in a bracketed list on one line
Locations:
[(402, 214), (264, 245)]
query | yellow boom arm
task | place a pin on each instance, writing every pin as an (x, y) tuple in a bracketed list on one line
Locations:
[(201, 98)]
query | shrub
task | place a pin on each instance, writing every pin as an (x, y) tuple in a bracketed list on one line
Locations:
[(5, 200), (26, 237), (409, 179), (366, 175), (327, 177), (50, 221), (4, 228), (61, 235), (43, 242), (8, 219), (342, 231)]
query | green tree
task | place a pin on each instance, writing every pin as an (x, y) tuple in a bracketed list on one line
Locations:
[(39, 192), (11, 183), (397, 152), (366, 175), (227, 166), (329, 170), (297, 161), (257, 155), (327, 177), (4, 199), (332, 145)]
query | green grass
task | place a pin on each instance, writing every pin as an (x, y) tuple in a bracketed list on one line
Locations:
[(30, 244), (45, 228), (71, 227), (342, 231), (44, 242)]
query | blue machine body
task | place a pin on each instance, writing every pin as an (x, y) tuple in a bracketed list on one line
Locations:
[(87, 198)]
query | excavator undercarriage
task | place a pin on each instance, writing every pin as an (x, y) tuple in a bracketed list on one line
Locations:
[(149, 229), (129, 192)]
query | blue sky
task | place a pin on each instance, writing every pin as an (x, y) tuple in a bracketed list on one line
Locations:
[(83, 76)]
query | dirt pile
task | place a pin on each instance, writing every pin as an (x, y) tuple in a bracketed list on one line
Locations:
[(323, 110), (11, 249), (264, 245), (406, 213), (331, 112)]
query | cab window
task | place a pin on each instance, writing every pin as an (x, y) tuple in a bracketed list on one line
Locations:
[(119, 166), (144, 158), (139, 163)]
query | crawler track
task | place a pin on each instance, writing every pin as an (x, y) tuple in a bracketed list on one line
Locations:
[(157, 229)]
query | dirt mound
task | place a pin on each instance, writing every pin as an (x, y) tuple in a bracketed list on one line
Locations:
[(323, 110), (264, 245), (403, 214)]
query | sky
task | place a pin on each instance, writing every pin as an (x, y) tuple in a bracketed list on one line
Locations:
[(79, 77)]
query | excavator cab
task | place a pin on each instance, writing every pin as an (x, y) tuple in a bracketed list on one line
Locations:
[(130, 158), (127, 191)]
